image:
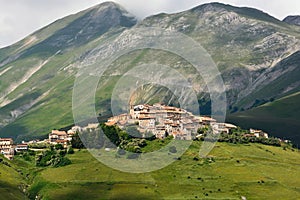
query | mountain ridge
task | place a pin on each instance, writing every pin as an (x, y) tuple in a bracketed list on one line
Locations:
[(248, 46), (292, 19)]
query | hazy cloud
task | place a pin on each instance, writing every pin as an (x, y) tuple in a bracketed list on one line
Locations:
[(22, 17)]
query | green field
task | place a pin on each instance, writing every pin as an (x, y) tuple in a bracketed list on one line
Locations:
[(230, 171)]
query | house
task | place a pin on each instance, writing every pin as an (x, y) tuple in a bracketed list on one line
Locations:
[(207, 120), (223, 127), (21, 147), (6, 147), (110, 122), (57, 135), (258, 133), (60, 137), (74, 130), (90, 127)]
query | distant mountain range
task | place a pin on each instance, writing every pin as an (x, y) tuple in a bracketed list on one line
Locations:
[(258, 57)]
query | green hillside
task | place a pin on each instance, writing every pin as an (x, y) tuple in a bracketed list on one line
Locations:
[(36, 86), (280, 117), (229, 172), (11, 181)]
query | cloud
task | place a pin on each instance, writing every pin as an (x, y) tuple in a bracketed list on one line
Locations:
[(22, 17)]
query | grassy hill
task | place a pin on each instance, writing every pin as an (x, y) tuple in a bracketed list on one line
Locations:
[(230, 171), (280, 117), (11, 180)]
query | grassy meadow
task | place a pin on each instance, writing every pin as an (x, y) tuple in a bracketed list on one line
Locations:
[(229, 172)]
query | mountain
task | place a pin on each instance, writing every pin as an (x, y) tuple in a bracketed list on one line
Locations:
[(257, 55), (292, 19), (246, 44), (37, 73)]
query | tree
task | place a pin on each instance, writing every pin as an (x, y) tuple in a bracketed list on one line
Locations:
[(121, 151), (133, 132), (70, 150), (52, 158), (149, 136), (76, 142), (111, 133), (59, 147), (166, 134)]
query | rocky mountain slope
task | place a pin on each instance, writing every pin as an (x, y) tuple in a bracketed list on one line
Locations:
[(257, 55), (246, 44)]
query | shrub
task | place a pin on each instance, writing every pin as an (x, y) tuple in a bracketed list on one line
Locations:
[(62, 152), (59, 147), (52, 158), (70, 150), (26, 156), (76, 142), (121, 151), (133, 156), (173, 149), (61, 161)]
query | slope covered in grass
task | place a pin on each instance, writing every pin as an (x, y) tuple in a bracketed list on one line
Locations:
[(231, 171), (281, 118), (10, 181)]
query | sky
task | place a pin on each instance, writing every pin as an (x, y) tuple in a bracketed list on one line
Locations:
[(19, 18)]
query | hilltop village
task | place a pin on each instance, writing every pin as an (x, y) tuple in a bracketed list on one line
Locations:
[(162, 120), (158, 119)]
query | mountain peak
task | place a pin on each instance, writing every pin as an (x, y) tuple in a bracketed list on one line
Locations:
[(111, 8), (245, 11), (108, 5), (87, 25), (292, 19)]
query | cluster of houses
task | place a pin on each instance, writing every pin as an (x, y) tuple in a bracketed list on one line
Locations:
[(162, 120), (158, 119), (8, 148), (65, 137)]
